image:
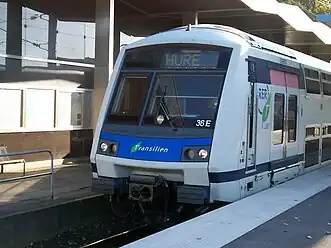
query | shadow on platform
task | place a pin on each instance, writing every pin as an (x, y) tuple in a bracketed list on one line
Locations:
[(70, 183)]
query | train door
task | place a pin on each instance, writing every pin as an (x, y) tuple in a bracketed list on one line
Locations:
[(251, 129), (258, 123), (284, 145), (291, 118)]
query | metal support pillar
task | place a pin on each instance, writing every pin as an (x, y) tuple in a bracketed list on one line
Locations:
[(52, 35), (106, 41), (14, 38)]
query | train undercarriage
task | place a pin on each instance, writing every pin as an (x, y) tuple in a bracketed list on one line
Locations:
[(154, 199)]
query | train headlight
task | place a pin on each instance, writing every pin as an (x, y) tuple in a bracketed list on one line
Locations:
[(195, 153), (203, 153), (190, 154), (160, 119), (113, 148), (103, 147)]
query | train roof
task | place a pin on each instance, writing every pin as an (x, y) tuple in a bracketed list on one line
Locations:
[(254, 41), (260, 43)]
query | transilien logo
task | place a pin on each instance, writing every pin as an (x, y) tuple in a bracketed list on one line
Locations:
[(154, 148), (266, 109), (264, 99), (135, 147)]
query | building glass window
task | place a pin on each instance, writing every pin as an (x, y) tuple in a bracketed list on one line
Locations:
[(3, 32), (75, 41), (34, 34)]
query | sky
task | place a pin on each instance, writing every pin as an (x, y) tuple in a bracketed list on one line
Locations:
[(75, 40)]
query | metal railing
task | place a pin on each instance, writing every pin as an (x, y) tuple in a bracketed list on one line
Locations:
[(51, 173)]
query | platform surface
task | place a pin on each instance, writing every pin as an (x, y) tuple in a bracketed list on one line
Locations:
[(70, 183), (308, 224), (302, 208)]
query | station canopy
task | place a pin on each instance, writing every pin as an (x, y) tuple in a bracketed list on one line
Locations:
[(282, 23)]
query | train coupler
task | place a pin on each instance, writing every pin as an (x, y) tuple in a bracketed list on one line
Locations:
[(142, 188)]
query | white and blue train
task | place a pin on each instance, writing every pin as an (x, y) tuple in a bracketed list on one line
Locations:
[(212, 114)]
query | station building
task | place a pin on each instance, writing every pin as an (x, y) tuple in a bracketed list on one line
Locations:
[(56, 57)]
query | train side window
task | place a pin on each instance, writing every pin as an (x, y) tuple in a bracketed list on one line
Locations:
[(278, 130), (292, 118), (329, 129), (317, 131), (327, 89), (310, 132), (313, 86), (324, 130)]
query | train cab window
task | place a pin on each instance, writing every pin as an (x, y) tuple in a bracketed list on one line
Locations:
[(129, 100), (292, 118), (278, 129), (185, 99)]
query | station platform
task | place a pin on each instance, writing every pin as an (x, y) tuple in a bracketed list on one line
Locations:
[(27, 212), (70, 182), (308, 224), (293, 214)]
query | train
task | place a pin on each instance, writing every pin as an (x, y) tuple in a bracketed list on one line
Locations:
[(206, 114)]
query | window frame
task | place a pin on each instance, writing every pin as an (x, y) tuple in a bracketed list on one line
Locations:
[(117, 93)]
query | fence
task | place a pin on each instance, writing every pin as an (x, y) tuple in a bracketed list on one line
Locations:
[(24, 177)]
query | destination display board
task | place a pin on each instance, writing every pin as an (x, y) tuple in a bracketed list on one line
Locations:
[(172, 57), (191, 59)]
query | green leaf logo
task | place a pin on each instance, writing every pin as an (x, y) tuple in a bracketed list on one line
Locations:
[(266, 109), (135, 147)]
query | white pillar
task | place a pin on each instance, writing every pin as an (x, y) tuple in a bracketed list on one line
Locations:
[(104, 52)]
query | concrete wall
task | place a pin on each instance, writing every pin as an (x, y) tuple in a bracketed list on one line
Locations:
[(63, 144)]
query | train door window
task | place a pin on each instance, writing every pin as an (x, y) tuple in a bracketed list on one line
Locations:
[(292, 118), (251, 116), (278, 129), (252, 80)]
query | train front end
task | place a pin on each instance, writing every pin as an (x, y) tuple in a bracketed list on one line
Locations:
[(155, 134)]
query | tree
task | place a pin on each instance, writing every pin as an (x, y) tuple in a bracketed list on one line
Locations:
[(312, 6), (323, 7)]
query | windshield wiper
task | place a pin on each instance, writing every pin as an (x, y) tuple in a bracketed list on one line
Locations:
[(165, 108), (177, 102)]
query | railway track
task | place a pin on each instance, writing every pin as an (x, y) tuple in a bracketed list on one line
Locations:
[(133, 234), (124, 237)]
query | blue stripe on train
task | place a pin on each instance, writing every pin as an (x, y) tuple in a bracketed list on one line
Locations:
[(153, 149), (228, 176), (170, 150)]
